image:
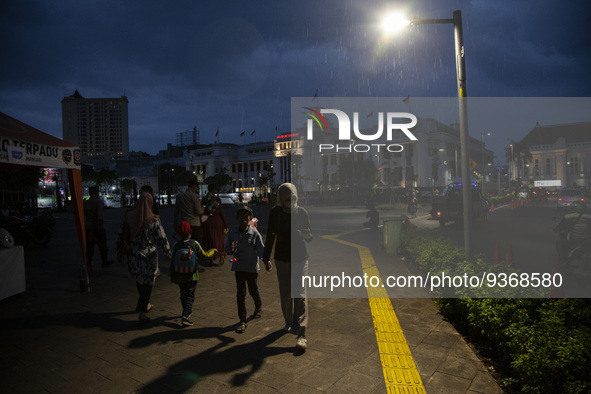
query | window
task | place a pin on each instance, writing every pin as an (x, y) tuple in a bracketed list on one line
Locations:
[(548, 167), (537, 167), (574, 165)]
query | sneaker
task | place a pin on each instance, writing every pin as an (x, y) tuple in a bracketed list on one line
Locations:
[(142, 318), (186, 322), (301, 343), (287, 328)]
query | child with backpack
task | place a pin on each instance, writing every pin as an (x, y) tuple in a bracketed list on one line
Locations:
[(183, 268), (246, 244)]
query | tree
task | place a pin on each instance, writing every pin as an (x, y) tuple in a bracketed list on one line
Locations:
[(519, 155), (266, 176), (221, 179), (128, 185), (101, 178), (183, 177), (351, 172)]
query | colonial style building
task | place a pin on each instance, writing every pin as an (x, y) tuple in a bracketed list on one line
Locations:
[(559, 153), (433, 160), (245, 164)]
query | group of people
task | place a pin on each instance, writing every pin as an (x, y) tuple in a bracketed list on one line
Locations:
[(202, 226)]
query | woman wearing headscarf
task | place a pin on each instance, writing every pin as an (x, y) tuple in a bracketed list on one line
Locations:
[(146, 232), (215, 225), (288, 228)]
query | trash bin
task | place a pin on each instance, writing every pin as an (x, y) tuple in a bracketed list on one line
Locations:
[(392, 229)]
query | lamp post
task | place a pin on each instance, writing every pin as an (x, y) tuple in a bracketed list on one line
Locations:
[(483, 163), (391, 24), (512, 165)]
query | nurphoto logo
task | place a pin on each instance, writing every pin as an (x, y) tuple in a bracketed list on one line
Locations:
[(393, 125)]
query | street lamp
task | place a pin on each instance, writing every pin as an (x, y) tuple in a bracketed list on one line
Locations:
[(483, 163), (512, 163), (398, 22)]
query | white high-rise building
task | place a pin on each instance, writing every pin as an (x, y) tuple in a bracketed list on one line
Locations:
[(99, 126)]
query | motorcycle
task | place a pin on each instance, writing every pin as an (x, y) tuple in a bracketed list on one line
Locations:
[(25, 231), (575, 256)]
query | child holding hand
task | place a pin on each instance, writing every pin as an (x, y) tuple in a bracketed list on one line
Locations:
[(183, 268), (246, 244)]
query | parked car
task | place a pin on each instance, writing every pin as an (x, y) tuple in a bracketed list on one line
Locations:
[(567, 196)]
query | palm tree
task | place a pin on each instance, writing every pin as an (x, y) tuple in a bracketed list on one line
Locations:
[(519, 155)]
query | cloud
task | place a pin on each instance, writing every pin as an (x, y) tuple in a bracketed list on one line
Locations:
[(236, 65)]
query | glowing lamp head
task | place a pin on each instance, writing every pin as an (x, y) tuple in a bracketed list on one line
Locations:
[(394, 22)]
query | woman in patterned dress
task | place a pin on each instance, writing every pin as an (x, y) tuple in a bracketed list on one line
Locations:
[(146, 232)]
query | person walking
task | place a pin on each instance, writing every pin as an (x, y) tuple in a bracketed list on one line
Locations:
[(291, 258), (155, 205), (155, 211), (413, 208), (246, 244), (145, 232), (183, 269), (95, 228), (215, 225), (188, 209)]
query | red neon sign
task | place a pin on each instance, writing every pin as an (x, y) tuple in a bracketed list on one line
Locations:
[(288, 136)]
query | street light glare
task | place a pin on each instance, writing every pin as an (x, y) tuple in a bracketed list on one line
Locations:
[(394, 22)]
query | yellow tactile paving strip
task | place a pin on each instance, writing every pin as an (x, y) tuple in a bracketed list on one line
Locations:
[(400, 371)]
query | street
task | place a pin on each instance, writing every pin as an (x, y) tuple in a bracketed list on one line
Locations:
[(528, 229)]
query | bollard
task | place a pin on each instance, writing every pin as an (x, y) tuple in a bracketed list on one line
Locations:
[(509, 256), (497, 255)]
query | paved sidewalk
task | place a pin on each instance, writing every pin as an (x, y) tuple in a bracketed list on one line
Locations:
[(58, 340)]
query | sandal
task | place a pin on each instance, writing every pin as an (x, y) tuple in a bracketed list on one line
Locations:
[(241, 328), (149, 307), (257, 314)]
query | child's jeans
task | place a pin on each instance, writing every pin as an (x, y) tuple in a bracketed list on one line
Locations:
[(187, 290), (242, 280)]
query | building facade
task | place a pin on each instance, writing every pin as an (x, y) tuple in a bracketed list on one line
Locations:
[(99, 126), (559, 153), (433, 161), (252, 167)]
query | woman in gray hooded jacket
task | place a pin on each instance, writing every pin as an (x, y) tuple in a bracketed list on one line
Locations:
[(288, 228)]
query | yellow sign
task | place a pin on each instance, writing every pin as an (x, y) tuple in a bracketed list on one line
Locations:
[(472, 164)]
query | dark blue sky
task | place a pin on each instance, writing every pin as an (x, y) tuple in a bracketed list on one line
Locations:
[(236, 64)]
